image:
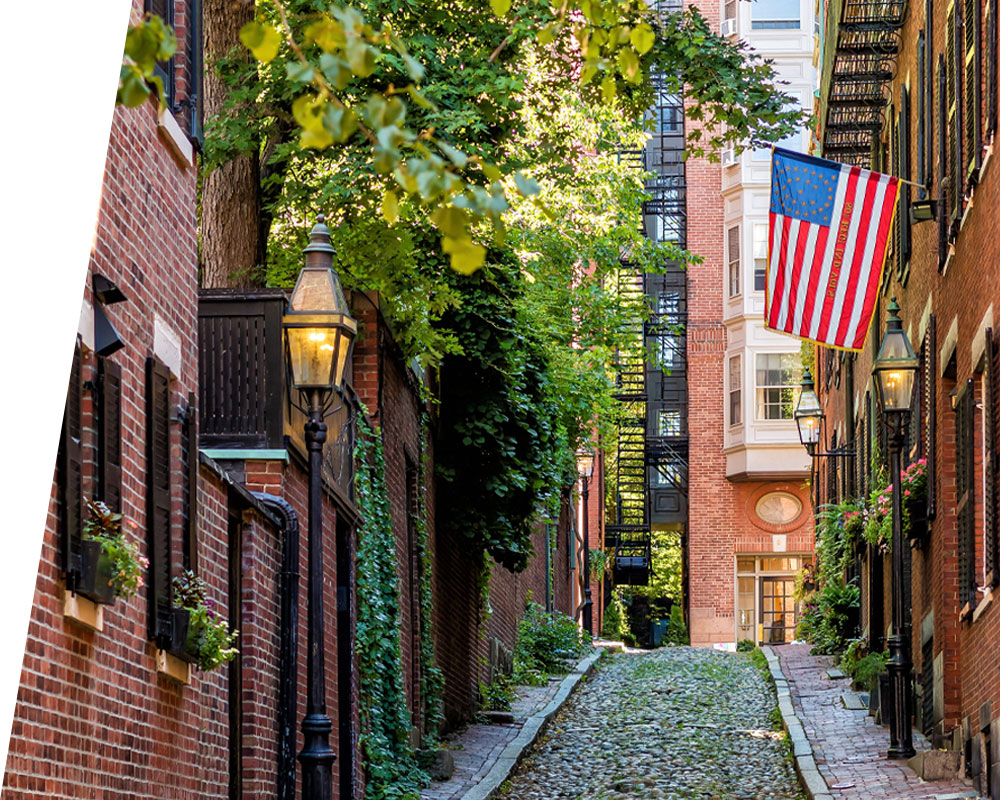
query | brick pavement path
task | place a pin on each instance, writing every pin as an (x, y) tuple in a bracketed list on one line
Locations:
[(477, 747), (848, 746)]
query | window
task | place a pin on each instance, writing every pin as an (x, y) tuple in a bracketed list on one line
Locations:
[(666, 474), (734, 261), (669, 422), (164, 70), (991, 501), (778, 377), (965, 446), (774, 15), (735, 391), (954, 105), (759, 257), (972, 58), (670, 334)]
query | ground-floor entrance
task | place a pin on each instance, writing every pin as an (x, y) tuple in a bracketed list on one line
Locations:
[(766, 611)]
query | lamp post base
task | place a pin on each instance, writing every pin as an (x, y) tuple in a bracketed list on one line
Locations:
[(900, 669)]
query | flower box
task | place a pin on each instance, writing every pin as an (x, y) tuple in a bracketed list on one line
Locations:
[(916, 513), (95, 578), (182, 636)]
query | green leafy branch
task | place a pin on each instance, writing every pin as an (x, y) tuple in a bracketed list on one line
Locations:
[(147, 43)]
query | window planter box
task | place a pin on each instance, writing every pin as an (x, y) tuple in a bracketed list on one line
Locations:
[(96, 571), (182, 636), (919, 528)]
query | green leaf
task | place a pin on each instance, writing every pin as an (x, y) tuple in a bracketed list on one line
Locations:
[(628, 64), (299, 72), (133, 90), (335, 70), (262, 40), (308, 112), (643, 38), (315, 139), (500, 7), (390, 207), (451, 221), (458, 158), (608, 89), (360, 57), (413, 68), (526, 186), (492, 172), (327, 33), (340, 123), (466, 257)]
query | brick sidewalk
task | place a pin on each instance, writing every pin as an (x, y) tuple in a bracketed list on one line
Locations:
[(477, 747), (848, 746)]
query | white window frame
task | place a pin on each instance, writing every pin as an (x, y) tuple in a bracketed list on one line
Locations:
[(760, 401)]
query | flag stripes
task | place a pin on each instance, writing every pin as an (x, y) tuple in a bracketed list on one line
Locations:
[(829, 232)]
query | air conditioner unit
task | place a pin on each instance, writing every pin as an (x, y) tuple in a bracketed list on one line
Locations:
[(729, 157), (729, 27)]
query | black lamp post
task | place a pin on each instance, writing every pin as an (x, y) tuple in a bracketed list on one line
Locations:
[(808, 414), (895, 371), (319, 331), (585, 466)]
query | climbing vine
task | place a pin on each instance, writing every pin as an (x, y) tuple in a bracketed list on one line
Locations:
[(391, 768), (431, 677)]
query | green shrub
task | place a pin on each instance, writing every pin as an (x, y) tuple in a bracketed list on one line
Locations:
[(615, 624), (826, 621), (862, 666), (499, 695), (676, 631), (545, 642), (745, 646)]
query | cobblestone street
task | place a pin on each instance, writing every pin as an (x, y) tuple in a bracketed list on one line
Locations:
[(673, 723)]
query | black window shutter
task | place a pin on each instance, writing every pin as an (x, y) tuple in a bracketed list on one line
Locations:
[(158, 499), (904, 172), (196, 63), (930, 418), (944, 190), (164, 9), (928, 80), (923, 170), (189, 448), (956, 161), (972, 57), (69, 469), (990, 463), (991, 67), (109, 433), (965, 485)]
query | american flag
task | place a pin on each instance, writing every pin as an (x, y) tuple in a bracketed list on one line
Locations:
[(827, 241)]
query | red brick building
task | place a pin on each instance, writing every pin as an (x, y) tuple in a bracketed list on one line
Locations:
[(931, 118), (178, 417)]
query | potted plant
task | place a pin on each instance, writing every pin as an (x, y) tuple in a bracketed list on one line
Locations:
[(110, 565), (207, 641)]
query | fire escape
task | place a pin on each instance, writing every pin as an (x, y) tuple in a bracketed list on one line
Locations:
[(866, 38), (651, 456)]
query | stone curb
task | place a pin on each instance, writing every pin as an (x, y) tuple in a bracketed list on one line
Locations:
[(805, 765), (530, 731)]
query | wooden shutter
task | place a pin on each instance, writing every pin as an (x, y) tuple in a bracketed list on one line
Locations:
[(921, 128), (189, 451), (991, 405), (69, 469), (158, 499), (109, 433), (991, 68), (965, 431), (928, 82), (944, 190), (956, 66), (972, 58), (894, 169), (929, 381), (904, 172)]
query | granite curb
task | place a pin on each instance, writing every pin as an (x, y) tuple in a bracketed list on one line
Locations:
[(805, 764), (533, 727)]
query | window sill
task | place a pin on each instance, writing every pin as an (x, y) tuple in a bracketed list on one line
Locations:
[(177, 143), (983, 604), (173, 668), (83, 612)]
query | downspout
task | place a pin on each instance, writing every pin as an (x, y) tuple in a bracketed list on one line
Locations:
[(288, 591)]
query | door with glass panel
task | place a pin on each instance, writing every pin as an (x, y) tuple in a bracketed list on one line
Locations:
[(777, 609)]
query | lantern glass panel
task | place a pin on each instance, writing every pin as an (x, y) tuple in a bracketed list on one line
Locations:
[(315, 356), (808, 430), (318, 291)]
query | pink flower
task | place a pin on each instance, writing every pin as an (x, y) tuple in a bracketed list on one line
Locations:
[(906, 493)]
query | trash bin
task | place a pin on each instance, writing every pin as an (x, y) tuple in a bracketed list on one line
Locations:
[(657, 630)]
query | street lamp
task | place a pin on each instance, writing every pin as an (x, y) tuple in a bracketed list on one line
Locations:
[(808, 414), (585, 467), (895, 371), (319, 331)]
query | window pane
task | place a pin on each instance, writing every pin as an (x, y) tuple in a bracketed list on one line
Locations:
[(669, 423), (774, 14), (777, 380), (744, 565)]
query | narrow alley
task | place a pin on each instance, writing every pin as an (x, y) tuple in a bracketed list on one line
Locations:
[(672, 723)]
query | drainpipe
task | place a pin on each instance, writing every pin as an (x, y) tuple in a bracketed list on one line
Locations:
[(288, 591)]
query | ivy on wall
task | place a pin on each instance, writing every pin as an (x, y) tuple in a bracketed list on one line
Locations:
[(391, 769), (431, 677)]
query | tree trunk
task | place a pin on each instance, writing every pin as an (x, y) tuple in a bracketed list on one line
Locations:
[(231, 249)]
